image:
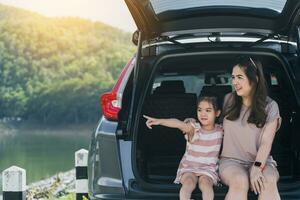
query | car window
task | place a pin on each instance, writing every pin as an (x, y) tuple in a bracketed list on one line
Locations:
[(160, 6), (274, 80), (194, 83)]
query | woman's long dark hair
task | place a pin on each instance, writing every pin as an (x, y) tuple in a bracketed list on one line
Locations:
[(254, 72)]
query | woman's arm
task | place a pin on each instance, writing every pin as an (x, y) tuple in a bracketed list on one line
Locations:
[(266, 142), (256, 176), (172, 123)]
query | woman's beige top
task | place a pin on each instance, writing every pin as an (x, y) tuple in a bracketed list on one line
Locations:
[(241, 139)]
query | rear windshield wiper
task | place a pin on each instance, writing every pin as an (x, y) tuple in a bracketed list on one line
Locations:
[(272, 35), (175, 39)]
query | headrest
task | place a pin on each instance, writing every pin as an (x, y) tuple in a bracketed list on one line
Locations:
[(168, 87), (215, 79)]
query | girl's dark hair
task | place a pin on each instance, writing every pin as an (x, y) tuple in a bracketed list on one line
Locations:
[(254, 72), (210, 99)]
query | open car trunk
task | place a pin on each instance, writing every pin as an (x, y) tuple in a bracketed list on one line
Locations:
[(177, 82)]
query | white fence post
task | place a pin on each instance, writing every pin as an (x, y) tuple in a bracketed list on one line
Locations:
[(81, 158), (14, 183)]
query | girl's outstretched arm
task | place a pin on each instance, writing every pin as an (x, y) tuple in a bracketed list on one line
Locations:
[(171, 122)]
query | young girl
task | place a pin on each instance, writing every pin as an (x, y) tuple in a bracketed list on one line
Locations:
[(199, 163)]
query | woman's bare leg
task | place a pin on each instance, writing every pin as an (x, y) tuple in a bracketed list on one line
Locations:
[(270, 190), (237, 178), (206, 186), (188, 181)]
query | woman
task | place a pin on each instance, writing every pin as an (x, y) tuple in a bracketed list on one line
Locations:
[(250, 122)]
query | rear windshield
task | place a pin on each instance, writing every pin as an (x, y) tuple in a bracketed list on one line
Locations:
[(160, 6)]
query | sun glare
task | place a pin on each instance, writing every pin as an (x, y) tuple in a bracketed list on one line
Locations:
[(113, 12)]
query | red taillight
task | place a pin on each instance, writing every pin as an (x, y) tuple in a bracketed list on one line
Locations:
[(110, 105), (111, 101)]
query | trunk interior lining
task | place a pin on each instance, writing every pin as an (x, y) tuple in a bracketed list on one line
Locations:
[(158, 152)]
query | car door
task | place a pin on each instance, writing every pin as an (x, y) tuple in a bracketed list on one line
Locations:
[(156, 18)]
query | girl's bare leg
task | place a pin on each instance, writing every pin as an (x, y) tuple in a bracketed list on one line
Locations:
[(188, 181), (206, 187)]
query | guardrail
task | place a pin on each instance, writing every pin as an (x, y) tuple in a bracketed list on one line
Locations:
[(14, 179)]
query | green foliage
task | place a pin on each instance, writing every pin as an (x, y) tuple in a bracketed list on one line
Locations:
[(53, 70)]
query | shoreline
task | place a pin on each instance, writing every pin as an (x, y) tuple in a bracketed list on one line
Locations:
[(56, 186), (46, 140)]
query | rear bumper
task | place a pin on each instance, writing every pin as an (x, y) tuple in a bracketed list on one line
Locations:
[(292, 196), (286, 193), (119, 197)]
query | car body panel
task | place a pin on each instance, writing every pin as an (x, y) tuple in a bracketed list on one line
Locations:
[(104, 151)]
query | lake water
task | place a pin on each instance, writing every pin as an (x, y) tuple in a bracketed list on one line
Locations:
[(43, 152)]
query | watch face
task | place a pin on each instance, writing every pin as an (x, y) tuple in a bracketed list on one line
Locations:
[(258, 164)]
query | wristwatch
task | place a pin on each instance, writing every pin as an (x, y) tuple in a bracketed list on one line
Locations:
[(259, 165)]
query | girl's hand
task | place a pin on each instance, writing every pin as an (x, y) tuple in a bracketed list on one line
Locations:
[(190, 132), (151, 121), (257, 180)]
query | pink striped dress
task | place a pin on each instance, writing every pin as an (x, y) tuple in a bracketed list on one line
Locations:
[(202, 153)]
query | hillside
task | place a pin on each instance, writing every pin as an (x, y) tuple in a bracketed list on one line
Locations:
[(52, 70)]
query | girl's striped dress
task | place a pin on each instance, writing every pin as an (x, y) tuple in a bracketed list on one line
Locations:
[(202, 153)]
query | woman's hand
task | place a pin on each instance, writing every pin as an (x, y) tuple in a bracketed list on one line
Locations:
[(257, 180), (151, 121)]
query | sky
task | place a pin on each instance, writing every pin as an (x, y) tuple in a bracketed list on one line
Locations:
[(112, 12)]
